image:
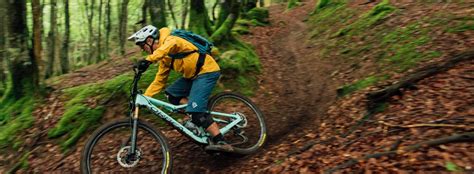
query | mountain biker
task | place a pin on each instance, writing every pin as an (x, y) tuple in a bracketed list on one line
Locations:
[(194, 88)]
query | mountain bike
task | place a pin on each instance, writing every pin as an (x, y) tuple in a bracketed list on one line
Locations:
[(134, 145)]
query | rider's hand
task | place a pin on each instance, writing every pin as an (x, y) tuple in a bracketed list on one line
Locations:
[(142, 65)]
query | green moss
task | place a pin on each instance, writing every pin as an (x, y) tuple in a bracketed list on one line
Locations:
[(238, 65), (466, 24), (241, 30), (325, 19), (402, 47), (258, 13), (360, 84), (15, 116), (292, 4), (369, 19), (323, 4)]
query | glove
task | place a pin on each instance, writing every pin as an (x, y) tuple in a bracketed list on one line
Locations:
[(142, 65)]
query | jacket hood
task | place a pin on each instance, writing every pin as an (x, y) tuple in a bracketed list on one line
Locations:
[(164, 33)]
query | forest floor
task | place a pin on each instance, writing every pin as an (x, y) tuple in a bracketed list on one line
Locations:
[(297, 95)]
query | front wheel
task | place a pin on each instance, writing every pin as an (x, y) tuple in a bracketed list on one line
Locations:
[(107, 149), (249, 134)]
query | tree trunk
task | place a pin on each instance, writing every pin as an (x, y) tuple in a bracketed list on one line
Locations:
[(223, 33), (170, 7), (51, 40), (99, 56), (249, 4), (262, 3), (214, 7), (123, 26), (107, 28), (37, 32), (185, 13), (145, 5), (200, 20), (3, 57), (90, 16), (23, 67), (65, 46), (157, 13), (225, 8)]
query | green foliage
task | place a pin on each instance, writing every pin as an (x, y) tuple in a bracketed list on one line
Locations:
[(15, 116), (237, 64), (402, 45), (360, 84), (323, 4), (79, 115), (461, 25), (372, 17), (260, 14), (326, 18), (452, 167), (292, 4)]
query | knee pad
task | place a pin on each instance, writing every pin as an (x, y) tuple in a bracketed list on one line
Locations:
[(201, 119), (172, 99)]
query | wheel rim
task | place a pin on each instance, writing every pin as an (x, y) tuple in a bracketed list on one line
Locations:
[(103, 156), (254, 129)]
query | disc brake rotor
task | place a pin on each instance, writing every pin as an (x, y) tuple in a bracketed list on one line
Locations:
[(128, 161)]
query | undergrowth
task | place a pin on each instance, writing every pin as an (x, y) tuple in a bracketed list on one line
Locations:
[(15, 116)]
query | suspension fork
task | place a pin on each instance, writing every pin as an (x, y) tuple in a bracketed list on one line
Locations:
[(133, 145)]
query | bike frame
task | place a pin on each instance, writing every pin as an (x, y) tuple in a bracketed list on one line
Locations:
[(138, 99), (152, 104)]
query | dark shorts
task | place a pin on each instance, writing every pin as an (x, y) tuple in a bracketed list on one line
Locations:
[(197, 90)]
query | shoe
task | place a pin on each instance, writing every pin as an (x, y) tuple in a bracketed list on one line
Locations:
[(221, 146)]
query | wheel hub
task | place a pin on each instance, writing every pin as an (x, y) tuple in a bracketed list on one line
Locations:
[(126, 160)]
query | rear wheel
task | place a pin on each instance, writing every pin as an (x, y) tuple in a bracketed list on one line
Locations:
[(107, 150), (249, 134)]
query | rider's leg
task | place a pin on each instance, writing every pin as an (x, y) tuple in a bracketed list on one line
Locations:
[(198, 98), (177, 92)]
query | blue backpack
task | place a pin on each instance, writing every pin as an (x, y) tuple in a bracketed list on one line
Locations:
[(204, 47)]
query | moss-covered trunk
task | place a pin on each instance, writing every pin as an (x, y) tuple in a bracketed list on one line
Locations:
[(2, 47), (225, 7), (123, 25), (51, 40), (157, 13), (108, 27), (199, 20), (23, 67), (223, 33), (64, 58)]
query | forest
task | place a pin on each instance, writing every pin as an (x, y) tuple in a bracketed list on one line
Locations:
[(343, 86)]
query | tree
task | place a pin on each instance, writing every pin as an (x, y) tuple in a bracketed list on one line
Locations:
[(249, 4), (90, 16), (123, 25), (2, 45), (184, 15), (224, 12), (107, 26), (23, 67), (51, 40), (170, 7), (157, 13), (37, 32), (223, 33), (143, 22), (99, 37), (64, 58), (200, 20)]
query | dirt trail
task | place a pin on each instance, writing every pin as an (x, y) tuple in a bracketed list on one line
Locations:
[(295, 90)]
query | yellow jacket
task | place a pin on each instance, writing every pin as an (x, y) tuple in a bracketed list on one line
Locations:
[(168, 44)]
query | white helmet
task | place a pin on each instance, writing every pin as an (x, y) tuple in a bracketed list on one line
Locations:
[(145, 32)]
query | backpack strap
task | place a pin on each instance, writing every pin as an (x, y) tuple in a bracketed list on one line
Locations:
[(179, 56), (199, 64)]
